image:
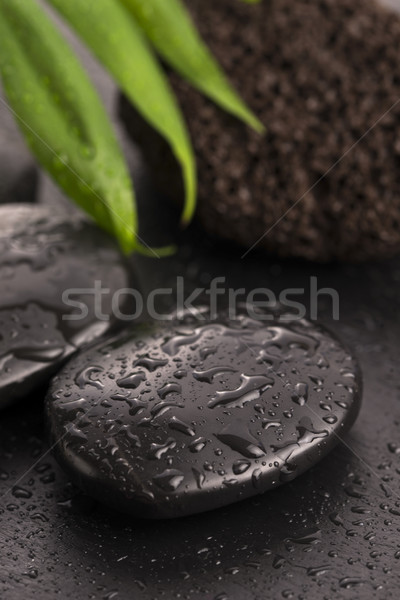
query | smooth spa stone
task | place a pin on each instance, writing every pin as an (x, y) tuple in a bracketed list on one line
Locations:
[(177, 418), (42, 255)]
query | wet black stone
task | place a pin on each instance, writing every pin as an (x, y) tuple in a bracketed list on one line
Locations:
[(153, 426), (42, 255)]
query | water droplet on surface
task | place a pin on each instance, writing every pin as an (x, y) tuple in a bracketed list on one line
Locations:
[(300, 393), (132, 381), (197, 445), (20, 492), (86, 377), (251, 388), (240, 466), (178, 425), (350, 582), (169, 480), (239, 439)]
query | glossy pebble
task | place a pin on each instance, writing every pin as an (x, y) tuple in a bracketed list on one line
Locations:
[(44, 256), (182, 417)]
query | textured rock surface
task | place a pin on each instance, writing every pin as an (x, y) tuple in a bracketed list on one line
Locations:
[(171, 420), (41, 256), (319, 73)]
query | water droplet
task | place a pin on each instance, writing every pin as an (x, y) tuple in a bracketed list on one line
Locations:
[(300, 394), (169, 480), (132, 381)]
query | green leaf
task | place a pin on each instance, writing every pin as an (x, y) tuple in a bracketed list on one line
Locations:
[(63, 118), (120, 45), (169, 26)]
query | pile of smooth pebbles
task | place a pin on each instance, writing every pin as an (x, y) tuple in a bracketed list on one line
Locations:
[(166, 418)]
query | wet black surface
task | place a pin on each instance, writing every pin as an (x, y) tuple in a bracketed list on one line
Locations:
[(333, 532), (179, 418)]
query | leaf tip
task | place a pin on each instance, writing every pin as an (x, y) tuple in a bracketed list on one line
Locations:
[(256, 124), (158, 252)]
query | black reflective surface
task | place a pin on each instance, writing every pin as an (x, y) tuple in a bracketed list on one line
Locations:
[(333, 532)]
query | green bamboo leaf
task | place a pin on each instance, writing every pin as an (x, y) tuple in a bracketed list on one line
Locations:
[(62, 118), (120, 45), (168, 25)]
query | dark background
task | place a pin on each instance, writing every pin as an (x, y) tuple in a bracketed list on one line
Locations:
[(332, 533)]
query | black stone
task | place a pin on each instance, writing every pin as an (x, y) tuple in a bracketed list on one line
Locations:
[(182, 417), (41, 255)]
